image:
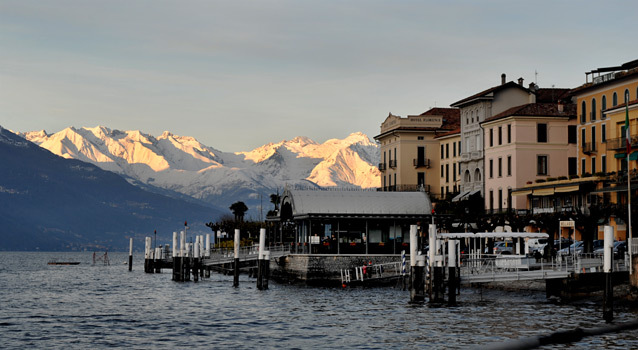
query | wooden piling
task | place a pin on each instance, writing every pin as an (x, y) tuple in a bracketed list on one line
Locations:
[(130, 254), (608, 256), (236, 267), (260, 258), (452, 283)]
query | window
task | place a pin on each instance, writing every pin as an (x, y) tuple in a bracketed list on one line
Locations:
[(420, 178), (477, 174), (571, 134), (572, 162), (479, 144), (447, 172), (442, 173), (500, 167), (593, 165), (603, 133), (500, 135), (447, 150), (583, 112), (509, 165), (442, 152), (541, 165), (614, 100), (593, 109), (509, 133), (541, 132), (454, 172), (454, 149), (441, 190), (500, 200), (459, 148), (491, 168), (603, 163), (582, 166), (603, 107), (467, 145), (491, 137), (593, 137), (420, 138), (582, 137), (491, 201)]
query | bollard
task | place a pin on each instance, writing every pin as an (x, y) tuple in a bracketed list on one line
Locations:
[(260, 258), (236, 267), (207, 246), (452, 283), (130, 254), (157, 260), (608, 256), (195, 259), (266, 269), (417, 263)]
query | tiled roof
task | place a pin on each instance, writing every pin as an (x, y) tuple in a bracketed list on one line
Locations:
[(453, 132), (537, 110), (451, 116), (552, 95), (489, 91)]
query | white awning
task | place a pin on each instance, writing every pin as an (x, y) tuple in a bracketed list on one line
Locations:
[(459, 196)]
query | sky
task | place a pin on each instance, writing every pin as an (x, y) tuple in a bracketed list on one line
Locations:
[(240, 74)]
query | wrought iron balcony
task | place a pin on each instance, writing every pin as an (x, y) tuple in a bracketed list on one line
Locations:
[(382, 166), (421, 163), (393, 163), (621, 143), (589, 147)]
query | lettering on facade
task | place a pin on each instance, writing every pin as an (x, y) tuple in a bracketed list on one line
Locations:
[(412, 121)]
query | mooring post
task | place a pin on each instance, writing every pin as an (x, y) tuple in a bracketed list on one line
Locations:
[(260, 258), (452, 285), (431, 258), (157, 264), (236, 268), (182, 255), (417, 264), (130, 254), (196, 259), (147, 254), (608, 255), (403, 271), (176, 265), (266, 269)]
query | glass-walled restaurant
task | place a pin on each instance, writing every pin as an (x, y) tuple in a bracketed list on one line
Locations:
[(351, 222)]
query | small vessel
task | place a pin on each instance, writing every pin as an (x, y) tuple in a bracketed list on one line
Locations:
[(55, 262)]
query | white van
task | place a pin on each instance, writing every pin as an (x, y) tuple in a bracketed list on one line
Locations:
[(536, 244)]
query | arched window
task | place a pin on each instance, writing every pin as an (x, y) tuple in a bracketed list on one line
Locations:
[(603, 107), (467, 177), (593, 109), (614, 100), (583, 112), (626, 95), (477, 175)]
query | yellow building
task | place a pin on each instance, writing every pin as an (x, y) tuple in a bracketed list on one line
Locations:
[(603, 102), (450, 169), (410, 152)]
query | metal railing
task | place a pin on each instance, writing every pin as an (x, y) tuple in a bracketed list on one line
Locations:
[(369, 272), (421, 163)]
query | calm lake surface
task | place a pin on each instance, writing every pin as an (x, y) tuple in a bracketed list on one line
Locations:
[(87, 306)]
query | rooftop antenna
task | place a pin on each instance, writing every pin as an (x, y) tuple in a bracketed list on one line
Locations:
[(535, 77)]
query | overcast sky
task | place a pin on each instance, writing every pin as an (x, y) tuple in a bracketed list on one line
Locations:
[(236, 74)]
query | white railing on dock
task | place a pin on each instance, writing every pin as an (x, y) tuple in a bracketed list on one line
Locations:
[(372, 272), (226, 255)]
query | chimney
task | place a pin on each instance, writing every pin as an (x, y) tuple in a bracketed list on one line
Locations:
[(520, 81), (560, 106), (503, 79), (532, 87)]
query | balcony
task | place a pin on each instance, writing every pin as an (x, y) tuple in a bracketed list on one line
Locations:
[(382, 166), (621, 143), (421, 163), (589, 147), (393, 163)]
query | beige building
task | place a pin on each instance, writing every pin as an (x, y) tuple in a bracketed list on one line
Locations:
[(410, 152), (450, 169)]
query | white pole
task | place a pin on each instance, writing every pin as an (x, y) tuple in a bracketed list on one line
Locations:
[(196, 252), (432, 239), (236, 245), (175, 245), (130, 247), (413, 245), (182, 244), (207, 247), (451, 248), (146, 254), (262, 243), (608, 245)]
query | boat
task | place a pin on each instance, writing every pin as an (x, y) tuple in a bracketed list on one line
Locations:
[(55, 262)]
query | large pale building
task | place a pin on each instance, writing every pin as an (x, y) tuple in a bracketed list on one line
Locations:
[(531, 143), (410, 152), (474, 110)]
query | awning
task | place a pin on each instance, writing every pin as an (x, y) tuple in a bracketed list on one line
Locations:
[(459, 196), (521, 192), (544, 192), (572, 188), (632, 156), (493, 235), (618, 188)]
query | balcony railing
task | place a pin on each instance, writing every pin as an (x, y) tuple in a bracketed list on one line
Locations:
[(621, 142), (393, 163), (421, 163), (382, 166), (589, 147), (405, 188)]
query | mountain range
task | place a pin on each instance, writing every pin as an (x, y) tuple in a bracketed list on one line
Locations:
[(182, 167), (51, 203)]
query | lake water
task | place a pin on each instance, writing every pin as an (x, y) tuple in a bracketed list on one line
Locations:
[(87, 306)]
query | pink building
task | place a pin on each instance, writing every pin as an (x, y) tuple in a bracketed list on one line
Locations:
[(531, 143)]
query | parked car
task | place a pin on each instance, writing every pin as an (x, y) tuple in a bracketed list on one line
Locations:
[(503, 247), (576, 247), (537, 244), (620, 247)]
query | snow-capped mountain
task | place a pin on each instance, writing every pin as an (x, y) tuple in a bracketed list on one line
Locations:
[(184, 165)]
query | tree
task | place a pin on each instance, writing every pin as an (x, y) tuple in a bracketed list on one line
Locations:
[(239, 209)]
